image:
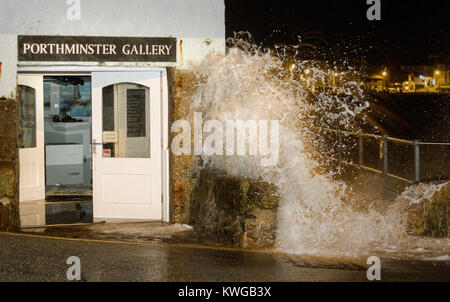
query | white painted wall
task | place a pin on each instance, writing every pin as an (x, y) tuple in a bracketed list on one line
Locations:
[(199, 24), (8, 58)]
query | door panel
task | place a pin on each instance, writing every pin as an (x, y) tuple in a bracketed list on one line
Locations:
[(31, 151), (126, 132)]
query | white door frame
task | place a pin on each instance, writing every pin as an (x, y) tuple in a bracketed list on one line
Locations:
[(87, 70)]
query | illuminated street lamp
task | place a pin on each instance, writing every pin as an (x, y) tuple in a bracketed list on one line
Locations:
[(384, 74)]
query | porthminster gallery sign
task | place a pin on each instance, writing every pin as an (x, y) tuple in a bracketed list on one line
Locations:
[(96, 49)]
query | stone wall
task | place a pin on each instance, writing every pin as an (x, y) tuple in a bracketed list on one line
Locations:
[(183, 168), (9, 165), (238, 211), (431, 215)]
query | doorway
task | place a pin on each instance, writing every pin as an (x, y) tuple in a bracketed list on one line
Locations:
[(67, 133), (68, 156), (94, 146)]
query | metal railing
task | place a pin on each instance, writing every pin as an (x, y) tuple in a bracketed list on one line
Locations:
[(384, 140)]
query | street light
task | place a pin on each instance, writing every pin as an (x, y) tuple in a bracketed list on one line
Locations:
[(384, 74), (437, 72)]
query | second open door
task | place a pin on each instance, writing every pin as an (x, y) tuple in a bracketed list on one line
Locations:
[(126, 143)]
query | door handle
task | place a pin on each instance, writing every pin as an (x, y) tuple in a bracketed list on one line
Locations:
[(94, 143)]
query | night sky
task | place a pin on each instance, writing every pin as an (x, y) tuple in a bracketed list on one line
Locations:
[(409, 31)]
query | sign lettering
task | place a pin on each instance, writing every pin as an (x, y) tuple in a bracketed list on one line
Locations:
[(96, 49)]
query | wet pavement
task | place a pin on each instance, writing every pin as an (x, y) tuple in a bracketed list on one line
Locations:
[(31, 258), (130, 231)]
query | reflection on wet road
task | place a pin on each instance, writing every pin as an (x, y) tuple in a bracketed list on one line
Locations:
[(42, 259)]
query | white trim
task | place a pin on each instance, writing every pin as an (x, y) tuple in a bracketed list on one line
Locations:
[(165, 147)]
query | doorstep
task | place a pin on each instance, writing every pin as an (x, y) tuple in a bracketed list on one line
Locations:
[(39, 213), (68, 212)]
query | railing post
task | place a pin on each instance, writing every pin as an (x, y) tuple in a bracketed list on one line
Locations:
[(385, 164), (416, 161), (361, 150)]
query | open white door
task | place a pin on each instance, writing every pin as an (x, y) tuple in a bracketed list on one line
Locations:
[(31, 152), (126, 137)]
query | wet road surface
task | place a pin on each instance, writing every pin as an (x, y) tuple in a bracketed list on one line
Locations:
[(25, 258)]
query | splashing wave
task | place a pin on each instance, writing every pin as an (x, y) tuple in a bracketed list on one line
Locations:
[(317, 214)]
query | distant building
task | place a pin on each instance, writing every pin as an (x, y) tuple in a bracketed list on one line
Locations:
[(432, 77), (374, 82)]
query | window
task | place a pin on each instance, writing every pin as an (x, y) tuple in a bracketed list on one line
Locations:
[(126, 122), (27, 116)]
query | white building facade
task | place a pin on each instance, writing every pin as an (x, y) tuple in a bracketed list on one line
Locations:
[(91, 79)]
